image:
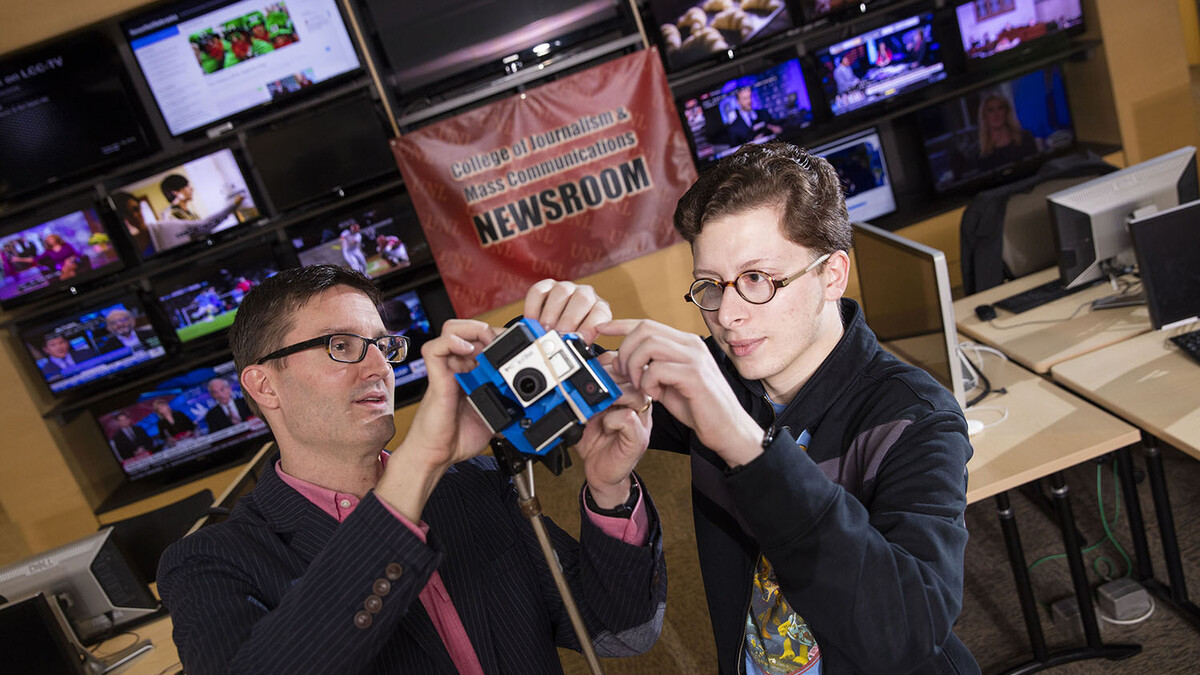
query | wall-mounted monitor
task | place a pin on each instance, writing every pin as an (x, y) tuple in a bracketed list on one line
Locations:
[(51, 250), (993, 134), (862, 168), (206, 61), (754, 108), (203, 300), (186, 203), (80, 347), (181, 424), (692, 31), (65, 110), (833, 9), (881, 64), (991, 27), (377, 238), (418, 314)]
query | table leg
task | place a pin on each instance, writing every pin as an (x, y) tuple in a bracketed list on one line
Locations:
[(1016, 559), (1176, 593), (1133, 513)]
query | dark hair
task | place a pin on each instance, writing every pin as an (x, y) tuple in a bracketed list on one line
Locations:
[(172, 184), (264, 317), (804, 188), (121, 200)]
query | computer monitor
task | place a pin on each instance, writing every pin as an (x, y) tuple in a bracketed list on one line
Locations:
[(1091, 220), (1167, 245), (206, 61), (418, 314), (190, 202), (37, 639), (691, 32), (87, 344), (379, 238), (93, 579), (754, 108), (203, 300), (906, 300), (860, 164), (881, 64), (988, 28), (63, 246)]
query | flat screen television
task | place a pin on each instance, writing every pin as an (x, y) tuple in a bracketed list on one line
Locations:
[(83, 346), (862, 168), (692, 31), (181, 424), (821, 9), (989, 135), (186, 203), (51, 250), (754, 108), (418, 314), (881, 64), (206, 61), (991, 27), (65, 110), (203, 300), (377, 239), (321, 154)]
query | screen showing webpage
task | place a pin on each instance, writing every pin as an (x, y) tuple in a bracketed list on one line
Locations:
[(206, 61)]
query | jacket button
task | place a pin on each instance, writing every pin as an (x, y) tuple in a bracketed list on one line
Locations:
[(382, 587), (363, 619), (393, 571), (373, 604)]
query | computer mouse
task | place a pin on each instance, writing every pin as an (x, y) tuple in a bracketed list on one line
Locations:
[(985, 312), (974, 426)]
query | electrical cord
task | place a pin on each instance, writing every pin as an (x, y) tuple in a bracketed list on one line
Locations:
[(978, 379)]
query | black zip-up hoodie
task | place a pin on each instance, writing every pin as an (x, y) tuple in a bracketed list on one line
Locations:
[(864, 531)]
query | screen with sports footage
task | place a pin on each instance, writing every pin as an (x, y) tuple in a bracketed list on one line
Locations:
[(203, 300), (991, 133), (64, 110), (881, 64), (860, 165), (693, 31), (60, 251), (375, 239), (179, 422), (206, 61), (81, 347), (185, 203), (753, 108), (989, 27), (417, 314)]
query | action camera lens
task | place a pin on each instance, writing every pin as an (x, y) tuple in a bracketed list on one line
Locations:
[(529, 383)]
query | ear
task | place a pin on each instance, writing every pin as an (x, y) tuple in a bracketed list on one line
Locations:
[(836, 275), (258, 383)]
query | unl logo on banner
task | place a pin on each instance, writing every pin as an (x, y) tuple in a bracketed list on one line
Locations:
[(575, 176)]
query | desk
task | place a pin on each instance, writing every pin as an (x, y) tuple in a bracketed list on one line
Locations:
[(163, 659), (1047, 430), (1039, 346)]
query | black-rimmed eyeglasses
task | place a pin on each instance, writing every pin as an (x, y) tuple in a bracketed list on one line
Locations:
[(348, 347), (755, 286)]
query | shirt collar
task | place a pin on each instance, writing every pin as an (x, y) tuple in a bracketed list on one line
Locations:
[(339, 505)]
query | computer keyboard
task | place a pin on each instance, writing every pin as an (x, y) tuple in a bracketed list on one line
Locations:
[(1189, 343), (1037, 296)]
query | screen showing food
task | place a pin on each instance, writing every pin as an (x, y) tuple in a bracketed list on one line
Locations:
[(204, 300), (753, 108), (861, 166), (990, 133), (185, 203), (61, 251), (64, 110), (693, 31), (180, 421), (989, 27), (375, 239), (881, 64), (83, 347), (206, 61)]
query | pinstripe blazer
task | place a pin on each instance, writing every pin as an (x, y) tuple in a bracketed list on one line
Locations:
[(282, 587)]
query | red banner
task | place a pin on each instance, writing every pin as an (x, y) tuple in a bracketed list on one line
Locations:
[(564, 180)]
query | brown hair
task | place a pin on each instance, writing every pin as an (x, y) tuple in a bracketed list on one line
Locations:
[(805, 189)]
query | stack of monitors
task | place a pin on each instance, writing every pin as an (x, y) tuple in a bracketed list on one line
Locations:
[(186, 203), (376, 239), (753, 108), (204, 300), (861, 166), (992, 27), (209, 60), (881, 64), (46, 252), (86, 345), (417, 314), (181, 423), (692, 31), (992, 134)]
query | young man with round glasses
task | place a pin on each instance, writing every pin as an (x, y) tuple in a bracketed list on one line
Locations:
[(828, 477), (348, 559)]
